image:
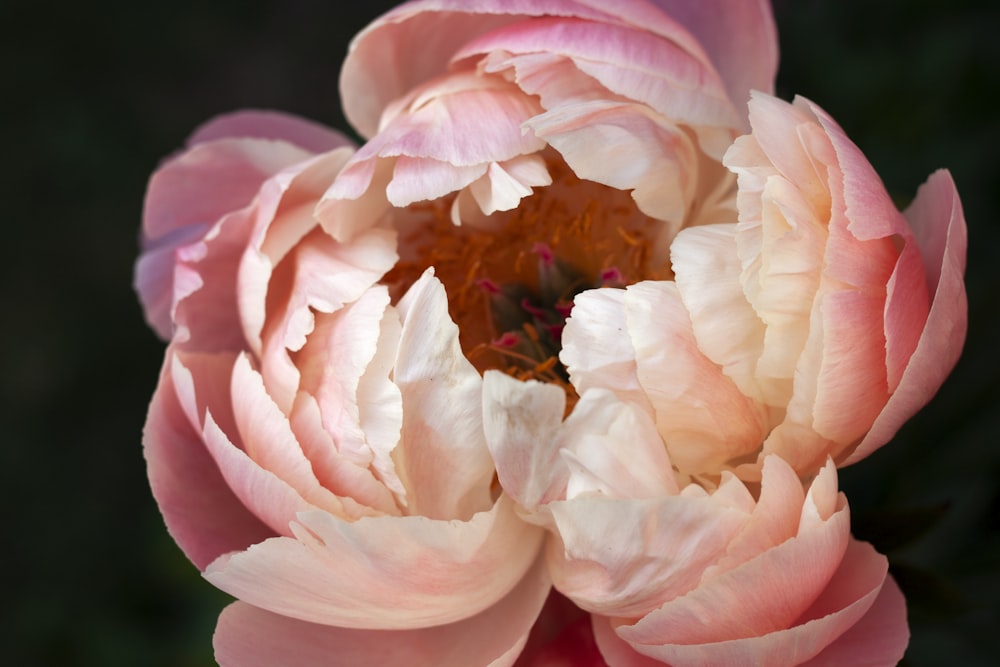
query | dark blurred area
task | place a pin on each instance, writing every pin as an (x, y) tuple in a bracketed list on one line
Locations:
[(96, 94)]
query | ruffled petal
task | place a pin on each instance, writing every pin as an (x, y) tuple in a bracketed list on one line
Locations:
[(626, 557), (701, 415), (202, 513), (250, 637), (383, 572)]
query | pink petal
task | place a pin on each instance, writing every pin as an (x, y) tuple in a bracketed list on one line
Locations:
[(186, 197), (284, 217), (446, 138), (388, 573), (250, 637), (275, 125), (268, 440), (319, 275), (381, 65), (740, 38), (334, 470), (844, 603), (763, 595), (939, 226), (630, 63), (209, 180), (879, 639), (203, 515), (205, 313)]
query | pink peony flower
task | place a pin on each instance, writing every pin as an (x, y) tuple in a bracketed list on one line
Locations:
[(518, 337), (812, 328)]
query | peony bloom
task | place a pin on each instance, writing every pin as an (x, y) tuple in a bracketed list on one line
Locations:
[(738, 574), (519, 338), (811, 328)]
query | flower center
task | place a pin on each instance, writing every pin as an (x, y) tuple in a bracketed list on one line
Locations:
[(511, 277)]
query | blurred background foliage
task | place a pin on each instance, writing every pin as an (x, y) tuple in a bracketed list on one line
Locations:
[(96, 94)]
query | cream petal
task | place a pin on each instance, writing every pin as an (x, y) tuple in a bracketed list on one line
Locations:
[(626, 557), (389, 573), (202, 513), (595, 348), (249, 637), (701, 415), (640, 151), (505, 184), (521, 421), (612, 448), (707, 272), (442, 457)]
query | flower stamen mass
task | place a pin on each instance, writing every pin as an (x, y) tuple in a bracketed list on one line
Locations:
[(511, 277)]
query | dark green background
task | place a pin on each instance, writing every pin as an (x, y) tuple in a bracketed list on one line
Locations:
[(94, 94)]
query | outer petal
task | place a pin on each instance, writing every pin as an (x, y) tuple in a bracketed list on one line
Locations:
[(740, 37), (266, 124), (380, 66), (186, 197), (939, 225), (848, 597), (202, 513), (250, 637), (383, 572)]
